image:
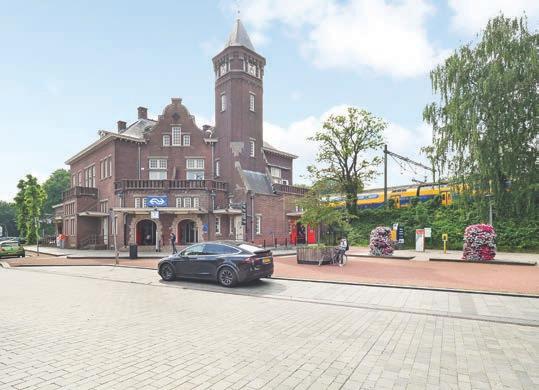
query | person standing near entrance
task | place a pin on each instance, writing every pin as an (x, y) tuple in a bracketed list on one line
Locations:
[(173, 241)]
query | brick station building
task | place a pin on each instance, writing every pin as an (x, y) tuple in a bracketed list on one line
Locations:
[(148, 178)]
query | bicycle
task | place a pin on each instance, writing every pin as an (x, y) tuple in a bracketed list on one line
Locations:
[(339, 258)]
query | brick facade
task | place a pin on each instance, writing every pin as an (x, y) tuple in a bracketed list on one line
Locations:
[(199, 178)]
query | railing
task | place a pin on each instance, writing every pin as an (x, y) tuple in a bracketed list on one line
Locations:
[(283, 188), (49, 241), (126, 185), (79, 191)]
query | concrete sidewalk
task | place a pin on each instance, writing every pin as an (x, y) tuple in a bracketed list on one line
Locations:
[(509, 257)]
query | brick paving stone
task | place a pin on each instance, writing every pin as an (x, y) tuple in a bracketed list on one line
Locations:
[(92, 330)]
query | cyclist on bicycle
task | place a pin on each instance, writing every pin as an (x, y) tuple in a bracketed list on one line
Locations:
[(341, 250)]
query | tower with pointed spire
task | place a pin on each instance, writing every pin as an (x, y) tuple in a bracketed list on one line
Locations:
[(239, 74)]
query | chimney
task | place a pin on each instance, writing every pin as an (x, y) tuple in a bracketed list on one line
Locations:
[(121, 126), (142, 113)]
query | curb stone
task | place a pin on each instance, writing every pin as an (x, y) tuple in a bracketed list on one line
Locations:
[(487, 262)]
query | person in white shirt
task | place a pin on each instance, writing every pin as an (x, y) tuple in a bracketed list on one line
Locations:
[(343, 247)]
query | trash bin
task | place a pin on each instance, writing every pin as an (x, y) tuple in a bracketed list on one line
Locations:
[(133, 251)]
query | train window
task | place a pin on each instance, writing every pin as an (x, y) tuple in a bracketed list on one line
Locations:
[(443, 196)]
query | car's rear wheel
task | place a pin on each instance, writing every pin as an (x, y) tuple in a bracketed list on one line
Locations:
[(167, 272), (227, 277)]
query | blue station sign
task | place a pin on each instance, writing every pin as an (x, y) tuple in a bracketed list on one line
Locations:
[(157, 201)]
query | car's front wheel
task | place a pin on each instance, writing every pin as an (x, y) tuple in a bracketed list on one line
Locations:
[(167, 272), (227, 277)]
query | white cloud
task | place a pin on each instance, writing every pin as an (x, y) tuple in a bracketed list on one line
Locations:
[(471, 16), (401, 140), (385, 37)]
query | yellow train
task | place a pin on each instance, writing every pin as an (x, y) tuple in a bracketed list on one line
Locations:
[(402, 197)]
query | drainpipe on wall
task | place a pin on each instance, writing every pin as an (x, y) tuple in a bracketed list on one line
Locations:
[(138, 163), (252, 216), (213, 161)]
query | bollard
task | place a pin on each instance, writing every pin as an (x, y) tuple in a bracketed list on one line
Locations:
[(275, 243), (264, 243)]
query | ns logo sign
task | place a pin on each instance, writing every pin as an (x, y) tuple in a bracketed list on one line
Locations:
[(157, 201)]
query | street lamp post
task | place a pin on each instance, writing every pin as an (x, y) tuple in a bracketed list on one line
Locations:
[(36, 223), (489, 197), (114, 228)]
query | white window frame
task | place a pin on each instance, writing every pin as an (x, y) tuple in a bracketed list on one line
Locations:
[(157, 163), (218, 226), (252, 146), (231, 225), (152, 163), (258, 224), (166, 140), (276, 172), (217, 168), (179, 202), (144, 203), (284, 182), (186, 140), (187, 203), (137, 203), (176, 137), (223, 102), (195, 163), (251, 102), (196, 202)]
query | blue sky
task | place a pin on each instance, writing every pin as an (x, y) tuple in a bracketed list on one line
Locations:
[(71, 68)]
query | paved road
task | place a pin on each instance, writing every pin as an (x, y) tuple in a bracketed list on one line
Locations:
[(462, 276), (119, 328)]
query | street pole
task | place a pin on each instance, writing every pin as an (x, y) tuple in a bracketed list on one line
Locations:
[(113, 228), (385, 175), (490, 211), (115, 240), (37, 233)]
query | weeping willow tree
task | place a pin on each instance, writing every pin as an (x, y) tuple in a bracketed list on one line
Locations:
[(485, 123)]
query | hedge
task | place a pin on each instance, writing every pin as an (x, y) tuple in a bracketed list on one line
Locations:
[(520, 235)]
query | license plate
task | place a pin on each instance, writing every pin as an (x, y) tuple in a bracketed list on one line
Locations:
[(266, 260)]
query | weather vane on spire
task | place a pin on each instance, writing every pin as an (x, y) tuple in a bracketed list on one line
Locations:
[(238, 10)]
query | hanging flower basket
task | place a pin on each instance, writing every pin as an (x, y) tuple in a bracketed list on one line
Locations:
[(380, 242), (479, 243)]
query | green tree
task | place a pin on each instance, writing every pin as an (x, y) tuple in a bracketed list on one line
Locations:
[(29, 207), (58, 182), (318, 208), (485, 124), (344, 141), (20, 208), (8, 218)]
